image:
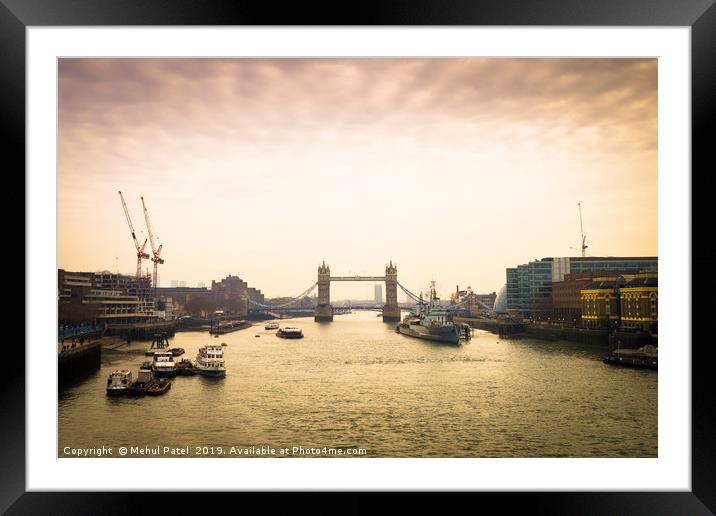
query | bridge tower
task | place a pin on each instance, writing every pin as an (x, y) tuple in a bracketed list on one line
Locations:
[(324, 310), (391, 310), (473, 308)]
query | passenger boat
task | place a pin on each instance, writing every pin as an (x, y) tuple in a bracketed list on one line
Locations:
[(271, 326), (290, 333), (645, 357), (433, 323), (159, 386), (118, 382), (210, 361), (163, 365), (141, 384), (185, 367)]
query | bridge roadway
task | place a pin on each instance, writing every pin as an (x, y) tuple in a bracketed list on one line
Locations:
[(357, 278)]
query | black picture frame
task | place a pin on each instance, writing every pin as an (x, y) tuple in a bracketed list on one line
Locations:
[(699, 15)]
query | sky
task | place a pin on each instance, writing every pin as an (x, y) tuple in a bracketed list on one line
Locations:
[(454, 169)]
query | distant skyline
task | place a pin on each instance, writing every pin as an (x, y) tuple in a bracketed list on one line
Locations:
[(453, 168)]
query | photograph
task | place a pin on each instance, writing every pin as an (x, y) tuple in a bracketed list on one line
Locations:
[(357, 257)]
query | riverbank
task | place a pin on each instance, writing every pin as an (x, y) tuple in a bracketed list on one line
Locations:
[(553, 332)]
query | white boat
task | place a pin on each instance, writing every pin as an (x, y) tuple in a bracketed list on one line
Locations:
[(210, 361), (118, 382), (163, 365), (271, 326), (290, 333)]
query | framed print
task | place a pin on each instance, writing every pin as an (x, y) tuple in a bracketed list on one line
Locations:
[(411, 249)]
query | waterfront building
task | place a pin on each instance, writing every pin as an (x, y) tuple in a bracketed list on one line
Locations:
[(621, 301), (96, 297), (232, 295), (529, 286), (378, 290), (487, 299), (639, 299), (187, 300)]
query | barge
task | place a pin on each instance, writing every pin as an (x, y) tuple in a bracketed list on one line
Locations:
[(645, 357), (228, 326)]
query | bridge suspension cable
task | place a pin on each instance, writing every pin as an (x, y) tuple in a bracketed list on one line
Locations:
[(412, 296), (293, 300), (449, 307)]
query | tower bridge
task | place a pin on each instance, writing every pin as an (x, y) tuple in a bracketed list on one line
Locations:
[(391, 310), (324, 310)]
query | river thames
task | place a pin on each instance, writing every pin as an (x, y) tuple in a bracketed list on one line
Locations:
[(357, 384)]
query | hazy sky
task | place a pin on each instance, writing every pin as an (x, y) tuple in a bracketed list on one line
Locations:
[(452, 168)]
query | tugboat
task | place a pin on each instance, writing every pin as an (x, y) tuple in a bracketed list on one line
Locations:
[(432, 323), (271, 326), (210, 361), (140, 386), (159, 386), (290, 333), (185, 367), (164, 365), (118, 382)]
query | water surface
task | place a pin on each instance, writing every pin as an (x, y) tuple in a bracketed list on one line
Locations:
[(355, 383)]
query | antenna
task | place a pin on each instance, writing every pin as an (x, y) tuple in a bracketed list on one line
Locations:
[(581, 229)]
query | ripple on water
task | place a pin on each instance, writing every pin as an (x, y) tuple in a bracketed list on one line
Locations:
[(357, 383)]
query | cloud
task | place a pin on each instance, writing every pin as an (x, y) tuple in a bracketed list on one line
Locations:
[(311, 131)]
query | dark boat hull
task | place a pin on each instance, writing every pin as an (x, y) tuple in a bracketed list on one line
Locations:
[(157, 388), (137, 390), (637, 363), (445, 338)]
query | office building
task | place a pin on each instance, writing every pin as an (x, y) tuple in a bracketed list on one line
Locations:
[(529, 286)]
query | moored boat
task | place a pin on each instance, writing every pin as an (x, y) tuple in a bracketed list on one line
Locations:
[(433, 323), (645, 357), (177, 351), (290, 333), (159, 386), (210, 361), (140, 385), (185, 367), (163, 365), (118, 382)]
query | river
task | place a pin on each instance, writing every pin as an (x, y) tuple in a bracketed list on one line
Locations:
[(356, 384)]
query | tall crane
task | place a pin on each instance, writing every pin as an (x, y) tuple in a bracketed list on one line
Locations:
[(581, 229), (156, 251), (140, 249)]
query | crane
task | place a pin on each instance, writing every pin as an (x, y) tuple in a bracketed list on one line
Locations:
[(581, 229), (156, 251), (140, 249)]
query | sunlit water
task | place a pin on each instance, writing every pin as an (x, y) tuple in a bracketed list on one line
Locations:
[(355, 383)]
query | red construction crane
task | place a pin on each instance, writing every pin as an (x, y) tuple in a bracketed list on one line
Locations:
[(140, 249), (156, 251)]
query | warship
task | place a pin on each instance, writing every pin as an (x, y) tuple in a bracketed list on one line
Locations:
[(432, 322)]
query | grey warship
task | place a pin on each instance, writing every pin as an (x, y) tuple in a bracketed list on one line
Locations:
[(432, 323)]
